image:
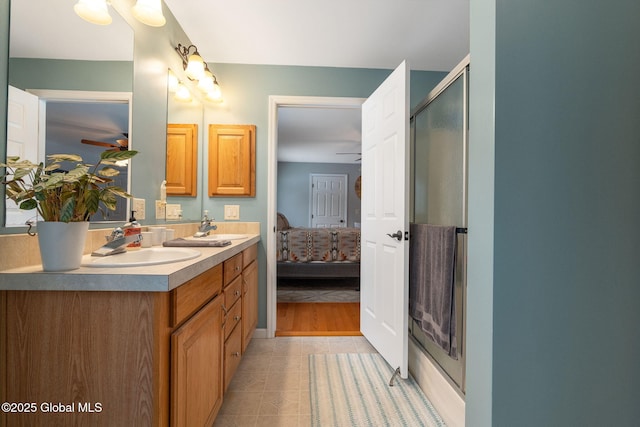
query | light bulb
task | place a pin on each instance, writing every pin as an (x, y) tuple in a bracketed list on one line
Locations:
[(195, 67), (149, 12), (206, 82), (94, 11), (182, 93)]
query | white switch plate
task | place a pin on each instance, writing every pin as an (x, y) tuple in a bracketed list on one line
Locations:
[(138, 206), (173, 211), (231, 211), (160, 210)]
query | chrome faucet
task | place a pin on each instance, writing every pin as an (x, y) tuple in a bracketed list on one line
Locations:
[(116, 243), (205, 226)]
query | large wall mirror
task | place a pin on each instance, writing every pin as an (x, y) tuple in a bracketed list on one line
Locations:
[(79, 76)]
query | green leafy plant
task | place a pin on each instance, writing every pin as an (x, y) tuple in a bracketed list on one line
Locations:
[(65, 196)]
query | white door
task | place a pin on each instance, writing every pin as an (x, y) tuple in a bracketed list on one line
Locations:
[(328, 201), (384, 268), (22, 141)]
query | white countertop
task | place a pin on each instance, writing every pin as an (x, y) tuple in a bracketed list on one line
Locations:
[(151, 278)]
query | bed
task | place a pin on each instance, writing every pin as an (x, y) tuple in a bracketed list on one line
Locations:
[(317, 252)]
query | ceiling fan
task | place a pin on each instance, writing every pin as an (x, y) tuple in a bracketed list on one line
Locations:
[(120, 145), (356, 160)]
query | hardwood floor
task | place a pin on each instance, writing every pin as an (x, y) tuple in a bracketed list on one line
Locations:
[(318, 319)]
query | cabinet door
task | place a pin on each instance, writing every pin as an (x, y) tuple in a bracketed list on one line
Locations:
[(232, 160), (197, 375), (182, 159), (249, 303)]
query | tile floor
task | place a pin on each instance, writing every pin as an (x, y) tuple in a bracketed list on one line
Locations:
[(271, 385)]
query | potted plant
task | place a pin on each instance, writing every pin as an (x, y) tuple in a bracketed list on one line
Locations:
[(64, 199)]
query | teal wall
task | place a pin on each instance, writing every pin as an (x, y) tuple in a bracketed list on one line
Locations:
[(562, 348), (294, 189), (60, 74)]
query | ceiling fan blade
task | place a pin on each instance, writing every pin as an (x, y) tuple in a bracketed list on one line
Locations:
[(348, 153), (123, 143), (99, 143)]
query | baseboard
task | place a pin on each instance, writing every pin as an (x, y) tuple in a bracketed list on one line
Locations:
[(444, 398), (260, 333)]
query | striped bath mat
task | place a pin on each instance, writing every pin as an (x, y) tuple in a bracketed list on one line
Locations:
[(353, 390)]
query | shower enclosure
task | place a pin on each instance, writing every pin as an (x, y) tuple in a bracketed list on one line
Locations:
[(439, 143)]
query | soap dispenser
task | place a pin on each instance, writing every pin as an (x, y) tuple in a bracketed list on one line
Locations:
[(132, 228)]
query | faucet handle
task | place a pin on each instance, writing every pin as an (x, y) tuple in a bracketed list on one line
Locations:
[(117, 233)]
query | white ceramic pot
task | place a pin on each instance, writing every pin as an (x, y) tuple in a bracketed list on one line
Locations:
[(61, 244)]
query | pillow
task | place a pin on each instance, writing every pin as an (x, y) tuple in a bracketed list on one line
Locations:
[(283, 223)]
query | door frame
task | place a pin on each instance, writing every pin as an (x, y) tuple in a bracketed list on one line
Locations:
[(276, 101)]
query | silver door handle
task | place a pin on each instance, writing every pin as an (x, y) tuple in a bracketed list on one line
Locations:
[(396, 235)]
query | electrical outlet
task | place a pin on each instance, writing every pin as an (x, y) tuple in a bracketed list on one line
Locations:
[(161, 212), (138, 206), (231, 211), (174, 211)]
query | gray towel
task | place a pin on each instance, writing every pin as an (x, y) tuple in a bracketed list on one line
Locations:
[(180, 242), (432, 260)]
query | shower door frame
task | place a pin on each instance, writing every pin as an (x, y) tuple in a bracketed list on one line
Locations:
[(460, 71)]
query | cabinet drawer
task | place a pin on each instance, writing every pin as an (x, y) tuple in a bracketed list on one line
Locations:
[(233, 292), (232, 319), (249, 255), (232, 355), (232, 268), (189, 297)]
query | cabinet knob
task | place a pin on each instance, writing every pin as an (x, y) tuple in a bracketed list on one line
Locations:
[(236, 318), (236, 354), (237, 268), (237, 293)]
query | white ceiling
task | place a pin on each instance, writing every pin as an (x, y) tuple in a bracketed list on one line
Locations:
[(429, 34)]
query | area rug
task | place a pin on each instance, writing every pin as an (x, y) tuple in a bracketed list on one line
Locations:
[(353, 390)]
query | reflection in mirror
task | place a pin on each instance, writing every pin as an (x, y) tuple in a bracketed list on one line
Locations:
[(184, 147), (51, 48)]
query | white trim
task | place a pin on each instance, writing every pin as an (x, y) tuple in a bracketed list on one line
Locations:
[(445, 399), (276, 101)]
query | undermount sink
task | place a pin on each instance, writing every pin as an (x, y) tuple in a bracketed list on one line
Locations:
[(224, 237), (146, 256)]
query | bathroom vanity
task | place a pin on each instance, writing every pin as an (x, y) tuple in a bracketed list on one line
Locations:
[(145, 346)]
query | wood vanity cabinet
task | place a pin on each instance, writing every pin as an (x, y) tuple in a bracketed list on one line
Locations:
[(241, 306), (232, 160), (127, 358), (197, 350), (121, 358), (249, 294)]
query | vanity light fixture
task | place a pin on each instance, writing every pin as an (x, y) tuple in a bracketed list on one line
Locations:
[(148, 12), (198, 70), (94, 11), (182, 93)]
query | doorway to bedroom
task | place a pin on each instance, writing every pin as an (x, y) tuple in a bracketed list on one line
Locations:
[(316, 285)]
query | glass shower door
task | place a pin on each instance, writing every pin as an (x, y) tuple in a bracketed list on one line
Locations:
[(440, 195)]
